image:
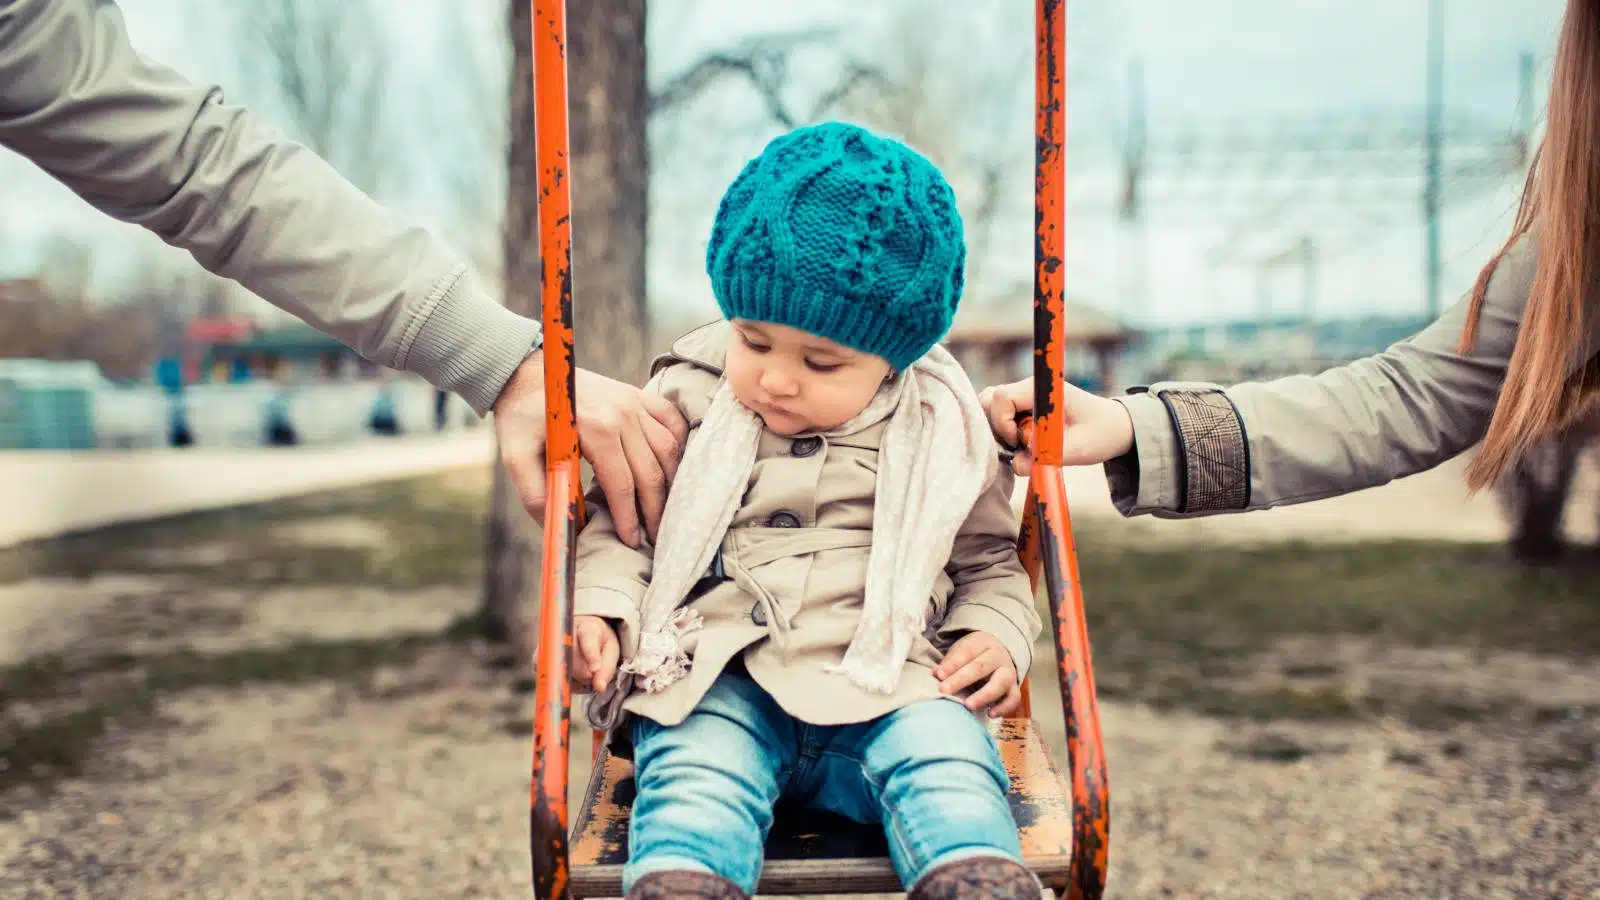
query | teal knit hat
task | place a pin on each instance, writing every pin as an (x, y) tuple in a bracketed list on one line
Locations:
[(844, 234)]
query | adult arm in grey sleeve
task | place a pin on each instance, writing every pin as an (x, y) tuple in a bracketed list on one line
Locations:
[(143, 144), (1202, 449)]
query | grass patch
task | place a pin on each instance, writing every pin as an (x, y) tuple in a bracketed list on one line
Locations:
[(88, 697), (433, 529), (1192, 626), (57, 747), (1209, 602), (295, 662)]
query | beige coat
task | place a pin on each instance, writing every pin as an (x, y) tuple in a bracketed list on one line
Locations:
[(141, 143), (1200, 449), (795, 561)]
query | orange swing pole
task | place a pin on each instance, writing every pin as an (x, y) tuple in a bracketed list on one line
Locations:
[(564, 504), (1046, 540)]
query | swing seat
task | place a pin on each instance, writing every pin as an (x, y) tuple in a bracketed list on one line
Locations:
[(814, 852)]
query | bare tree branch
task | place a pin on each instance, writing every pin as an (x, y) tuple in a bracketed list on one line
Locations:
[(763, 62), (332, 66), (856, 75), (475, 175)]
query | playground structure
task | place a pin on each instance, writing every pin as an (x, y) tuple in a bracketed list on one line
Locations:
[(998, 354), (1290, 194), (1064, 821)]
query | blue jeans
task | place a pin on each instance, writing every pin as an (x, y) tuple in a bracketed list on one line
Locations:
[(930, 773)]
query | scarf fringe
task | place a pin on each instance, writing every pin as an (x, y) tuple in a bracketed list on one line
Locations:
[(661, 659)]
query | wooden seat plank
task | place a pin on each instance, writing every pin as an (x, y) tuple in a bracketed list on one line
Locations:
[(811, 852)]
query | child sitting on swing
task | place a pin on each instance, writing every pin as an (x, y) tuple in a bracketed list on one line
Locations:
[(834, 600)]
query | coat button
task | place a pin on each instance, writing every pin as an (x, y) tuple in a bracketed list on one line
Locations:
[(784, 519), (758, 613), (806, 446)]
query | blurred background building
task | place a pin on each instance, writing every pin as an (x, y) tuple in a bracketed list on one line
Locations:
[(1254, 189)]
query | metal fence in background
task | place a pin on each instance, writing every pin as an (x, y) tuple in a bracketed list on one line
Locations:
[(70, 405)]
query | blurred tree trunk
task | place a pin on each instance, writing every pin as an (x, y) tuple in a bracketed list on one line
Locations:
[(608, 105), (1534, 492)]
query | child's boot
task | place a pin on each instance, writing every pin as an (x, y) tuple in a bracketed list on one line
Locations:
[(977, 878), (685, 885)]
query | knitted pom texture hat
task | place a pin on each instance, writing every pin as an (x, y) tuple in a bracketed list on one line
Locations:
[(844, 234)]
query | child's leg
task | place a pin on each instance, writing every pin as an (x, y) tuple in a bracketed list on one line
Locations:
[(706, 786), (932, 775)]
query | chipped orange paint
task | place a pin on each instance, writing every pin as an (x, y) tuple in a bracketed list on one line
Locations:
[(1049, 556), (555, 224), (553, 700), (1028, 550), (1048, 833), (1047, 542), (1049, 205), (1086, 761), (564, 508), (602, 826)]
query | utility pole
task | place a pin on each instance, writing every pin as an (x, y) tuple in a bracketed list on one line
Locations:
[(1264, 322), (1308, 290), (1525, 109), (1138, 263), (1430, 191)]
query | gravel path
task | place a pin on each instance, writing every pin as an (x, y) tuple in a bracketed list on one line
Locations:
[(412, 782)]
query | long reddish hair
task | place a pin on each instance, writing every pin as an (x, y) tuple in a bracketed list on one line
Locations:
[(1562, 197)]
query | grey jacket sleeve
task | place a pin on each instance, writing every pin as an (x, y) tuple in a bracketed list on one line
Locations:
[(1202, 449), (990, 588), (142, 144)]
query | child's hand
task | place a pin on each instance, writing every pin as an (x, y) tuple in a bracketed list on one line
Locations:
[(598, 649), (976, 657)]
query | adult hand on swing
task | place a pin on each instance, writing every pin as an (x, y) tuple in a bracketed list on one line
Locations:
[(632, 439), (1098, 428)]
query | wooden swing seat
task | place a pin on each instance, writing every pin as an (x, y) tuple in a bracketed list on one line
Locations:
[(814, 852)]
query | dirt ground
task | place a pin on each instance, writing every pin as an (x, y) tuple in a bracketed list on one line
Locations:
[(281, 703)]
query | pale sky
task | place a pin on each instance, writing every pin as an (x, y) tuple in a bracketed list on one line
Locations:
[(1221, 59)]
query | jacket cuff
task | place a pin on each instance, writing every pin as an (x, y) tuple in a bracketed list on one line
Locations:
[(975, 616), (1213, 450), (610, 603), (1145, 480), (1191, 453), (466, 343)]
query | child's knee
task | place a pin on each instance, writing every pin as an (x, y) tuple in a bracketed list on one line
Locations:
[(924, 735), (706, 754)]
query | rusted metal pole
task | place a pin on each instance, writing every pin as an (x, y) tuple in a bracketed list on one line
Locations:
[(1049, 223), (1047, 540), (564, 505)]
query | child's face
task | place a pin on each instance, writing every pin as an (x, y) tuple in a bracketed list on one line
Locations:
[(796, 381)]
